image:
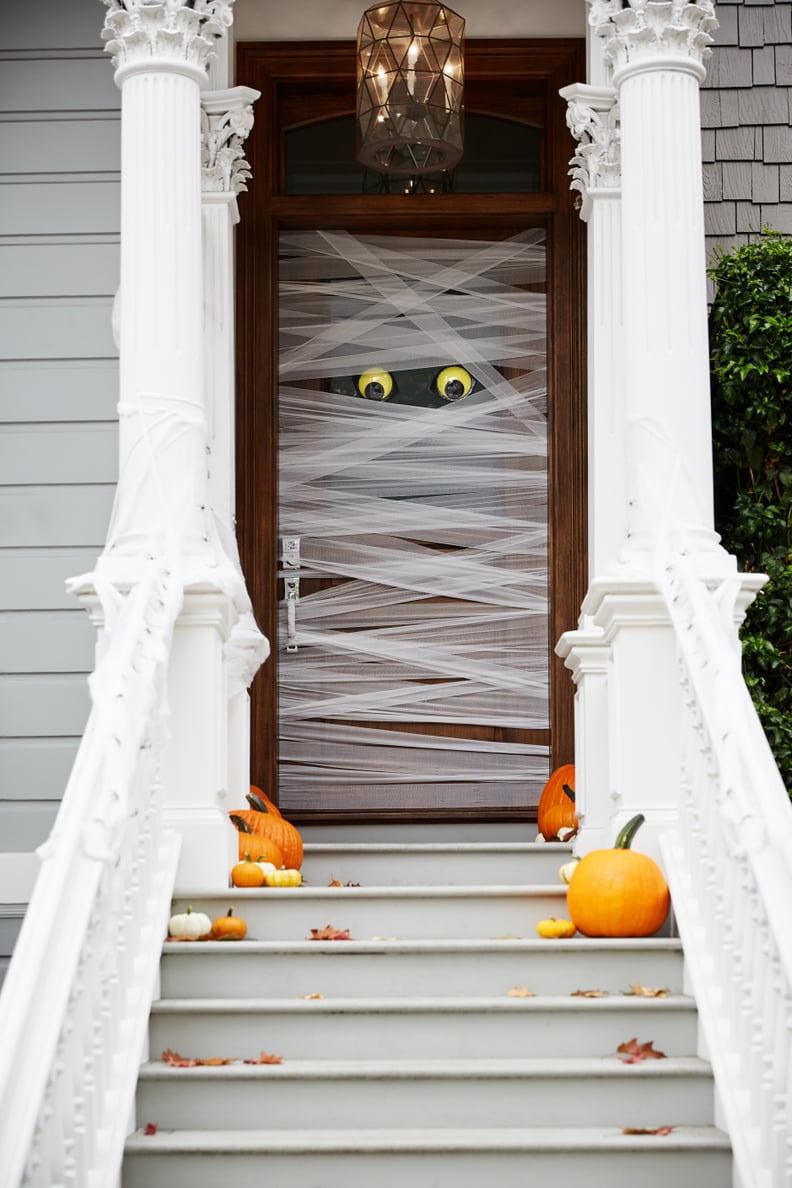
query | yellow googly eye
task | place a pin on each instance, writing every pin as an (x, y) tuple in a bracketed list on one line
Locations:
[(375, 385), (453, 383)]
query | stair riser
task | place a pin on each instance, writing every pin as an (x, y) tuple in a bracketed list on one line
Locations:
[(405, 869), (218, 1103), (321, 1034), (232, 972), (291, 914), (657, 1168)]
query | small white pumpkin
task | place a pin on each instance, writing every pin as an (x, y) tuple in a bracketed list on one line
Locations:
[(191, 924), (267, 867), (566, 871)]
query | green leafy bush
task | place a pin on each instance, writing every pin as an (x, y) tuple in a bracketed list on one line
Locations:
[(751, 361)]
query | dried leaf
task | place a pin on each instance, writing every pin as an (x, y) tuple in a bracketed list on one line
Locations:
[(177, 1061), (643, 1130), (335, 883), (150, 1128), (307, 996), (384, 938), (632, 1052), (647, 991), (329, 933), (589, 994), (520, 992), (216, 1061), (265, 1058)]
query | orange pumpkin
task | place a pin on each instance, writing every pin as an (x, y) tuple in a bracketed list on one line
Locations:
[(263, 823), (557, 803), (255, 846), (618, 892), (247, 873), (273, 808), (229, 927)]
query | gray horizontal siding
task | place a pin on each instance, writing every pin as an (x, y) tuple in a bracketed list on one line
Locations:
[(746, 111), (59, 263)]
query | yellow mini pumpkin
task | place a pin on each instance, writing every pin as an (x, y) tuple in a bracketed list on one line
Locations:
[(552, 929), (283, 878)]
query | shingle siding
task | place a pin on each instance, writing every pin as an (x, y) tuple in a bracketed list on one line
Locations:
[(746, 116)]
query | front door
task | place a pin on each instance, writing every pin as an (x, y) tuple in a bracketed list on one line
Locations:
[(403, 526)]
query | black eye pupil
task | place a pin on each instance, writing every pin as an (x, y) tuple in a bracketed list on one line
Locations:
[(375, 390), (454, 389)]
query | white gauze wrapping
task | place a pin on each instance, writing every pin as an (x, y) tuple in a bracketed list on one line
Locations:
[(432, 522)]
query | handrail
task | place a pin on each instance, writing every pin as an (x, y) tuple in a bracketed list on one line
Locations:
[(729, 865), (76, 997)]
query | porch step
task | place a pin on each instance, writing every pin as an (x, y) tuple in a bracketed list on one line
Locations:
[(690, 1157), (412, 1028), (318, 1094), (438, 967), (409, 1030), (290, 913), (426, 863)]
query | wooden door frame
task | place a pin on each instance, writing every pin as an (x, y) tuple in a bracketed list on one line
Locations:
[(278, 70)]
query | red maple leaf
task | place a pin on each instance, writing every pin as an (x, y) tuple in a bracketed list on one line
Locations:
[(265, 1058), (632, 1052), (329, 933), (150, 1128), (177, 1061)]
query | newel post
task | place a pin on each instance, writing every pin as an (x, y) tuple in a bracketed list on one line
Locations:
[(163, 509), (650, 432)]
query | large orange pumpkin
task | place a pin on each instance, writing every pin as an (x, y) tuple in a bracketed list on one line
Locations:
[(618, 892), (273, 808), (264, 823), (256, 846), (557, 803)]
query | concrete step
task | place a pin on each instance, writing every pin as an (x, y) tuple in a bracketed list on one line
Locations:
[(442, 1093), (260, 969), (427, 863), (289, 913), (690, 1157), (420, 1028)]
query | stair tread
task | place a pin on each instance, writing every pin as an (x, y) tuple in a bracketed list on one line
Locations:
[(506, 1067), (319, 848), (407, 1138), (440, 944), (449, 1004), (382, 891)]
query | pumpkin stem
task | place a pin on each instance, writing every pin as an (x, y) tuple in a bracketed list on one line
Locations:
[(240, 823), (570, 792), (256, 802), (628, 832), (230, 912)]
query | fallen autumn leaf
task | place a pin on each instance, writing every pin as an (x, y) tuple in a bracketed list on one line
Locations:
[(329, 933), (520, 992), (632, 1052)]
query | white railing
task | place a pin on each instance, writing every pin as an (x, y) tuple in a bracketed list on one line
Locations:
[(730, 870), (76, 998)]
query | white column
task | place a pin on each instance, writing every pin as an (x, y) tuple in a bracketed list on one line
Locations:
[(226, 120), (656, 51), (160, 51)]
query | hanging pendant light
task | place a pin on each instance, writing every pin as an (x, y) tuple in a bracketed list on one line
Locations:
[(410, 86)]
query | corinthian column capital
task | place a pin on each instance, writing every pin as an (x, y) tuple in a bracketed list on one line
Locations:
[(593, 119), (642, 34), (176, 34), (226, 120)]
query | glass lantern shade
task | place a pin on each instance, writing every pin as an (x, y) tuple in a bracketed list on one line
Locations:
[(410, 87)]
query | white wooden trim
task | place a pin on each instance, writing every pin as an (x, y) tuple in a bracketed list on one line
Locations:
[(17, 875)]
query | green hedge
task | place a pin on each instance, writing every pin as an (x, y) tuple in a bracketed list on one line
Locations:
[(751, 361)]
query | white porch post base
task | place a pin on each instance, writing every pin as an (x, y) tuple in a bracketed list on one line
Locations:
[(195, 761)]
